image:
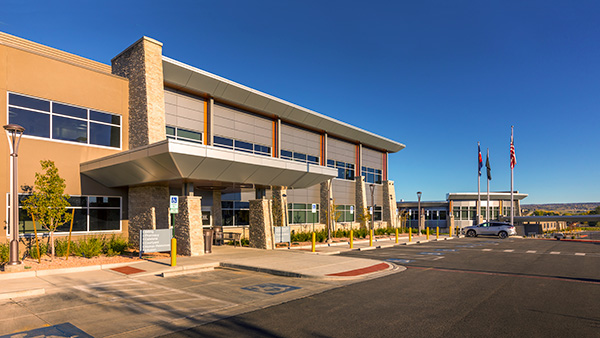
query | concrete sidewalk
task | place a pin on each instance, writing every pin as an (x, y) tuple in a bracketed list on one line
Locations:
[(291, 263)]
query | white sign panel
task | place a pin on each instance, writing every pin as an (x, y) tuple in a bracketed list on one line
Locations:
[(174, 206), (314, 208), (351, 209)]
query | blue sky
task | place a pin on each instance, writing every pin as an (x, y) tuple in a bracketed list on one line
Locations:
[(438, 76)]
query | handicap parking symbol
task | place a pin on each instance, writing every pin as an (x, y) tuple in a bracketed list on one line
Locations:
[(271, 288), (431, 253), (449, 250), (400, 261)]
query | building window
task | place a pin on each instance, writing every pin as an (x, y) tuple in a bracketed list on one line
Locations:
[(371, 175), (376, 213), (59, 121), (299, 157), (177, 133), (92, 214), (235, 213), (344, 213), (247, 147), (301, 213), (345, 170)]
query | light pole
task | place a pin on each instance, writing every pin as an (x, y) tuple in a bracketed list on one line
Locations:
[(419, 212), (372, 187), (13, 134)]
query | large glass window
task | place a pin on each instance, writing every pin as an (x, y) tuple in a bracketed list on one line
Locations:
[(301, 213), (184, 134), (299, 157), (247, 147), (377, 213), (235, 213), (371, 175), (59, 121), (91, 214), (345, 170), (344, 213)]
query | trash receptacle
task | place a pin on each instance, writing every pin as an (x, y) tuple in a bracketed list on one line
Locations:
[(208, 239)]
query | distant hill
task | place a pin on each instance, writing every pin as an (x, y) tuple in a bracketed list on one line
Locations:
[(562, 208)]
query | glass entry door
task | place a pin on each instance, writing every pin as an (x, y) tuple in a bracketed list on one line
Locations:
[(206, 217)]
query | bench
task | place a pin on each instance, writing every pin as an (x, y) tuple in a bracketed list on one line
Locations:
[(222, 236)]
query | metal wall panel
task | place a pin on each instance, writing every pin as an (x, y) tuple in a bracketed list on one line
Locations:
[(300, 140), (372, 158), (308, 195), (340, 151), (343, 192), (183, 110), (240, 125)]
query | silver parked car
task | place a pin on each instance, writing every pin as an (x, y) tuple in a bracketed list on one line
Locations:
[(499, 229)]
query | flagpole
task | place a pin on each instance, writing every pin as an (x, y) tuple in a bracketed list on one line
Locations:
[(512, 188), (487, 209), (478, 183)]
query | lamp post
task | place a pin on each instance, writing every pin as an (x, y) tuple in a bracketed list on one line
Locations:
[(13, 134), (419, 212), (372, 187)]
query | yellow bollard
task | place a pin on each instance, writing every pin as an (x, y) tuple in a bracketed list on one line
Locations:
[(371, 237), (396, 235), (351, 239), (427, 233), (314, 238), (410, 234), (437, 232), (173, 251), (450, 232)]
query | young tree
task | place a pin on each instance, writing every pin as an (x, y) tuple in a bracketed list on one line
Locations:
[(48, 203)]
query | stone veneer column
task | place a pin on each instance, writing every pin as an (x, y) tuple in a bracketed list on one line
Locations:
[(217, 213), (323, 199), (188, 226), (140, 202), (141, 63), (279, 206), (360, 199), (261, 222), (389, 203)]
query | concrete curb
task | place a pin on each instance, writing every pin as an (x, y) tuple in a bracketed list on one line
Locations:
[(39, 273), (184, 270), (22, 293)]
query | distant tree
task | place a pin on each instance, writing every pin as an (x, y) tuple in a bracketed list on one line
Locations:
[(47, 202), (595, 211)]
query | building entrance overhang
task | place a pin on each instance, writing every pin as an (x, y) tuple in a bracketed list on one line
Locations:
[(176, 160)]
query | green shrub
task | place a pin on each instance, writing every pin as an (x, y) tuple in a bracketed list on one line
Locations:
[(4, 253), (32, 250), (89, 247), (60, 247), (115, 246)]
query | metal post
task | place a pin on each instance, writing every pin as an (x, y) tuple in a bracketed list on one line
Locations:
[(372, 187), (419, 212), (13, 134)]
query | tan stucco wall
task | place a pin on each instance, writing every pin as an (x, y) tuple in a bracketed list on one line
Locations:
[(46, 76)]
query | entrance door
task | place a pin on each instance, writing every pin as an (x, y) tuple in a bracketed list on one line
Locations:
[(206, 217)]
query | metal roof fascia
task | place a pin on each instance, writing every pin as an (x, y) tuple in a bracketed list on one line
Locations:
[(383, 142)]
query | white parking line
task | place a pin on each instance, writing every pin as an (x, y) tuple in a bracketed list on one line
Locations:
[(486, 249), (579, 254), (509, 250), (555, 252), (531, 251)]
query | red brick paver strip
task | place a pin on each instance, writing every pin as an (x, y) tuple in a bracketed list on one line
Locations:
[(128, 270), (361, 271)]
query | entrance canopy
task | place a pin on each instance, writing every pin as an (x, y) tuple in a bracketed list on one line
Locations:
[(175, 160)]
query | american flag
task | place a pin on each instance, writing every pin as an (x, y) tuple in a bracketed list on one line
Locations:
[(480, 161), (513, 157)]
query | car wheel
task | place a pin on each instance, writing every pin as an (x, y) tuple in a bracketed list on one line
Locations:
[(502, 234), (471, 233)]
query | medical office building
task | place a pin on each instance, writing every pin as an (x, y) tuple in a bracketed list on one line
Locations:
[(128, 135)]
